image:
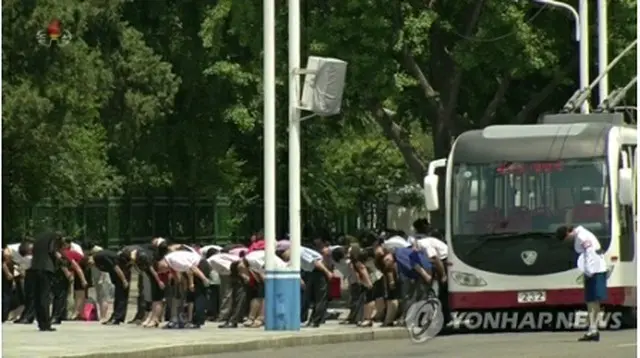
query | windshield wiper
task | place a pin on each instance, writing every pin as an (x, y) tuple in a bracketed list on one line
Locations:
[(508, 236)]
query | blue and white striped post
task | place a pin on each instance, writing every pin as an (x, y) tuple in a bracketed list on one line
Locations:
[(282, 287)]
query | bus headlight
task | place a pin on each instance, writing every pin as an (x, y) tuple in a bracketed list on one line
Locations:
[(580, 279), (467, 279)]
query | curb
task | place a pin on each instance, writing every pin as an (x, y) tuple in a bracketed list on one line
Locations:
[(250, 345)]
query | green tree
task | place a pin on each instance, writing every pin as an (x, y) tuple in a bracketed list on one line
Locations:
[(75, 115), (53, 143), (451, 66)]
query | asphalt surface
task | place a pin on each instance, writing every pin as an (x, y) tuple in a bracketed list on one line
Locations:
[(615, 344)]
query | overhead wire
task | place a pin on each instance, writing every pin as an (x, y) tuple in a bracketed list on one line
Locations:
[(501, 37)]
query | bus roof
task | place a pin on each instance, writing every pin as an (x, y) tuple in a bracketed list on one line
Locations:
[(536, 142)]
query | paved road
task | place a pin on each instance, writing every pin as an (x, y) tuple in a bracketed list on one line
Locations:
[(90, 339), (619, 344)]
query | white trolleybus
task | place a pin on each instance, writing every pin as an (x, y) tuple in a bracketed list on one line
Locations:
[(508, 187)]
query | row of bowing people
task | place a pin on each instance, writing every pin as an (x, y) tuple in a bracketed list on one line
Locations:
[(181, 284)]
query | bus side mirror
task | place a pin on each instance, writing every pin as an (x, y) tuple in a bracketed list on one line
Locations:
[(625, 186), (431, 192)]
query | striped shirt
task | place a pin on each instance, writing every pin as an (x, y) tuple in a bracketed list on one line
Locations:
[(308, 257)]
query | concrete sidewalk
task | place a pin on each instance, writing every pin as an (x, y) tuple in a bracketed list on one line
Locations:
[(93, 340)]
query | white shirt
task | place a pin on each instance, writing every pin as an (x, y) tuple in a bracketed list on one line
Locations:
[(282, 245), (191, 249), (23, 262), (256, 260), (204, 249), (308, 257), (214, 278), (222, 262), (77, 248), (395, 242), (433, 247), (182, 261), (587, 245)]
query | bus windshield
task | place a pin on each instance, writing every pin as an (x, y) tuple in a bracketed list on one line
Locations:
[(536, 197)]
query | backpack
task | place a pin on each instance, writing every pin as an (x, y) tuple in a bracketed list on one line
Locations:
[(90, 310)]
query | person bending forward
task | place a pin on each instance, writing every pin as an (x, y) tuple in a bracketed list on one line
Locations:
[(197, 271)]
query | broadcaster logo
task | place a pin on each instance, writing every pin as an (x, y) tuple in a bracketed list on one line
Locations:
[(54, 34), (424, 320)]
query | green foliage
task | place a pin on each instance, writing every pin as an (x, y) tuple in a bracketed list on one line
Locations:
[(161, 96)]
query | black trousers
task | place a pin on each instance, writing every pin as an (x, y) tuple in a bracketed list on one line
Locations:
[(17, 298), (317, 292), (199, 299), (443, 294), (7, 292), (121, 296), (141, 305), (168, 299), (227, 302), (412, 292), (40, 285), (213, 301), (239, 301), (354, 297), (60, 291), (305, 302), (29, 313)]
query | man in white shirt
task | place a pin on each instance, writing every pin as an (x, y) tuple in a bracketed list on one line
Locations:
[(316, 288), (221, 263), (213, 291), (437, 252), (20, 254), (395, 242), (256, 260), (594, 267), (197, 272)]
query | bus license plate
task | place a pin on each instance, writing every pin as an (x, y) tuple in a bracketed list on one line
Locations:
[(532, 296)]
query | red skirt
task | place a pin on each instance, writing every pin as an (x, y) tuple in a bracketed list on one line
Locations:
[(164, 277), (335, 288)]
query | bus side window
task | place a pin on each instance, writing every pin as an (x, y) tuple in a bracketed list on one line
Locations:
[(627, 235)]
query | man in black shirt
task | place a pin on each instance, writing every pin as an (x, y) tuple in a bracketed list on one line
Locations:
[(142, 258), (46, 256), (109, 262), (142, 306)]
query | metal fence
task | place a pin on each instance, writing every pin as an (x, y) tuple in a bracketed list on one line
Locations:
[(117, 221)]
